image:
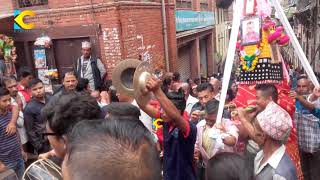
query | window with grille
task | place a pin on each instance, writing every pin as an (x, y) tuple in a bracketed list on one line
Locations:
[(183, 4), (30, 3), (204, 6)]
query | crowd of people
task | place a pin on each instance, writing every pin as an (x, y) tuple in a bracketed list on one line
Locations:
[(92, 131)]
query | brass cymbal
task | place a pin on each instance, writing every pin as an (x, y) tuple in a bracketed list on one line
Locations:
[(142, 74), (122, 76)]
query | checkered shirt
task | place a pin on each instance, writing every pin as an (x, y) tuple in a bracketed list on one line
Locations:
[(308, 131)]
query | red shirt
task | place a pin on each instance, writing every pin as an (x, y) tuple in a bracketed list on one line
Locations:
[(25, 92)]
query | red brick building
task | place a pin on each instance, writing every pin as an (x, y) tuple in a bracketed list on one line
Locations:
[(118, 30)]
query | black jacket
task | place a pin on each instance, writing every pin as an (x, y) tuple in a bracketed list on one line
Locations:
[(35, 124)]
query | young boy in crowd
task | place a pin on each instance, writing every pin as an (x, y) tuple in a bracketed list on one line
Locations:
[(11, 153)]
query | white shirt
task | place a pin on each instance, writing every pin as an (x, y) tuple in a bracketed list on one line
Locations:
[(144, 117), (190, 102), (273, 161)]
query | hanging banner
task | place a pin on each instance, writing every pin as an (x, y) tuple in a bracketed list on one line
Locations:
[(188, 20), (40, 58)]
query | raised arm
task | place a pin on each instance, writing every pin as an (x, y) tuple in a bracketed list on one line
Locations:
[(246, 121), (169, 108)]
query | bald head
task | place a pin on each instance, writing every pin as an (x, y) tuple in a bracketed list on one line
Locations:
[(216, 85)]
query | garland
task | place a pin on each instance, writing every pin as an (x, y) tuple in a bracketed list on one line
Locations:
[(249, 62)]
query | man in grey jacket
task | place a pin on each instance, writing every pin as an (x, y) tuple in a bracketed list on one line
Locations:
[(90, 67)]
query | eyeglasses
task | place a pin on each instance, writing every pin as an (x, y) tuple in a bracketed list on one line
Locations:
[(49, 134)]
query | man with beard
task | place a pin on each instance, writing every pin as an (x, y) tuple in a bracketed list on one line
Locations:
[(34, 122)]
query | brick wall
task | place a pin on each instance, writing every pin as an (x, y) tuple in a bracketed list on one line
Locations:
[(6, 6), (127, 29)]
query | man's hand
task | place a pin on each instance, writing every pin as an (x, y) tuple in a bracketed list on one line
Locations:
[(316, 92), (105, 97), (46, 155), (196, 156), (11, 128), (153, 84), (293, 94), (245, 115), (24, 156), (2, 167)]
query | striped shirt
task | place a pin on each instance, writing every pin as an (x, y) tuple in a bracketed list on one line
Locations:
[(10, 151)]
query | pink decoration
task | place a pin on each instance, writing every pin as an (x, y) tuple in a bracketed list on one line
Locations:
[(264, 8), (284, 40), (279, 28), (273, 37)]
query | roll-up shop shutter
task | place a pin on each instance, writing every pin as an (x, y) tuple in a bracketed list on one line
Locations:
[(183, 62)]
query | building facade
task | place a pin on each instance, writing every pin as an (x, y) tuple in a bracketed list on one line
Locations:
[(184, 41), (117, 30), (305, 21)]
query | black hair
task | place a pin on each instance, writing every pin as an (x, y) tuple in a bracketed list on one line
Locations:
[(112, 149), (178, 99), (212, 106), (69, 73), (113, 95), (227, 166), (166, 83), (122, 109), (197, 81), (303, 76), (205, 86), (34, 82), (24, 72), (70, 109), (176, 76), (203, 80), (82, 84), (4, 91), (6, 79), (106, 86), (269, 90)]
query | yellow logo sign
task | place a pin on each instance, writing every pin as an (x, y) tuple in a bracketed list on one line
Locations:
[(19, 20)]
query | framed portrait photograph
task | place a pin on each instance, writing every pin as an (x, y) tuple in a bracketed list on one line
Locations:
[(249, 7), (250, 31)]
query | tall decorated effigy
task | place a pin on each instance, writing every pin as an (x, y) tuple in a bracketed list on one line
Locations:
[(260, 39)]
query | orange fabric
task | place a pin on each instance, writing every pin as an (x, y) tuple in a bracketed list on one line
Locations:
[(246, 95)]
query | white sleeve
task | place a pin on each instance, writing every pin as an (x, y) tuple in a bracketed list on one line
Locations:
[(101, 68)]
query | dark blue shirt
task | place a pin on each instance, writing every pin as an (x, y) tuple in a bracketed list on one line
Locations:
[(316, 112), (10, 151), (35, 124), (178, 153)]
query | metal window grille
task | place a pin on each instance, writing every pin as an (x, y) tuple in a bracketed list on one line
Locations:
[(30, 3)]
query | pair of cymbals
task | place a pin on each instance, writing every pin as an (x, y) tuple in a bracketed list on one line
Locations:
[(129, 78)]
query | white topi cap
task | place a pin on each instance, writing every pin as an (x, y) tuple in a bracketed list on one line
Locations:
[(86, 44)]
